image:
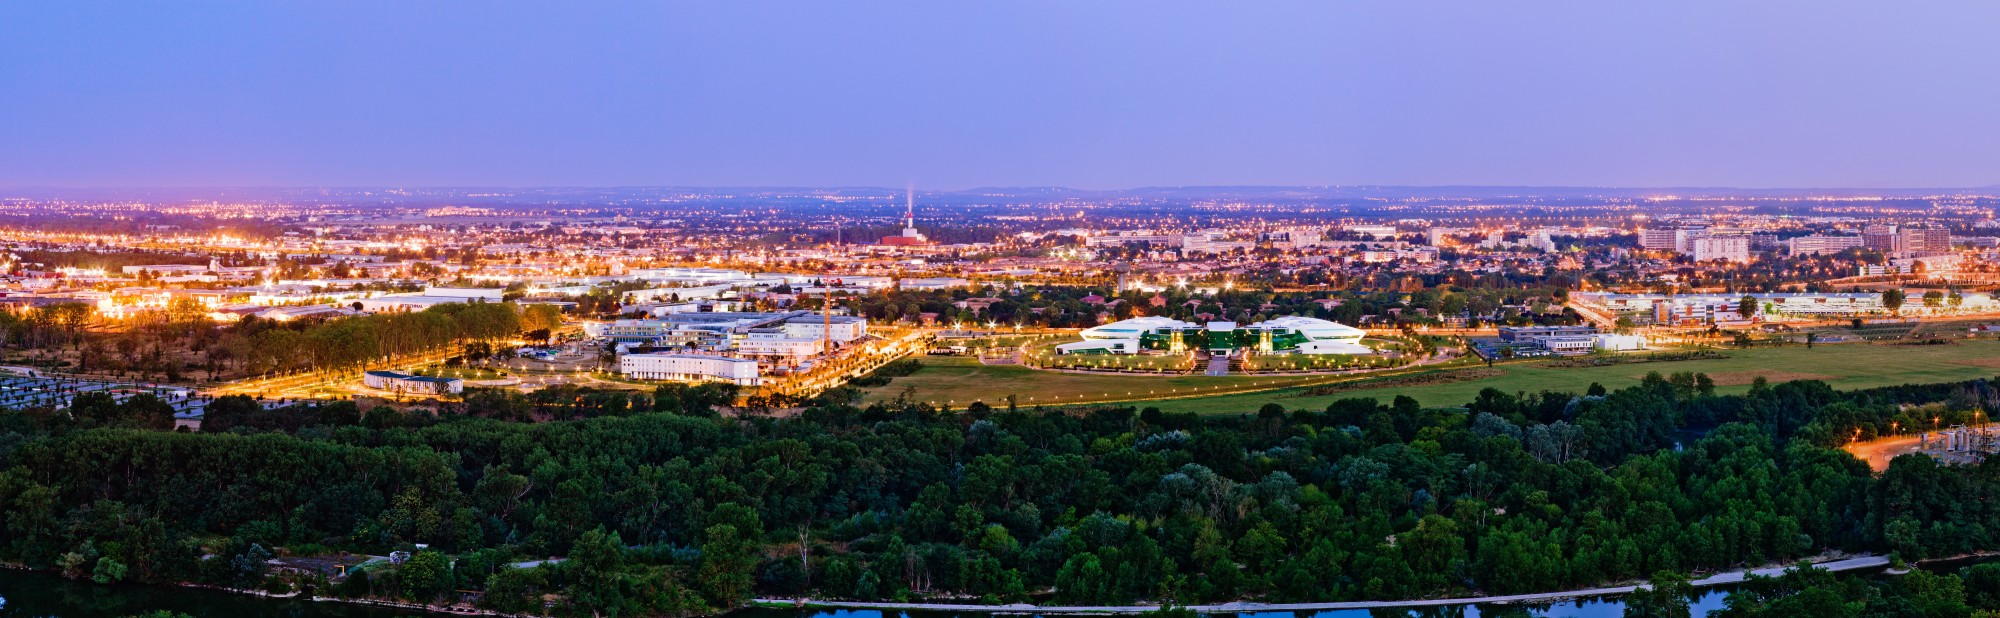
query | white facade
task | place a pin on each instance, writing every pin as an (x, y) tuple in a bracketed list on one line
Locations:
[(1730, 248), (690, 274), (491, 295), (690, 368), (1314, 328), (1654, 239), (1619, 343), (1378, 231), (400, 303), (1114, 239), (790, 349), (1817, 244), (844, 328), (1133, 328), (933, 283)]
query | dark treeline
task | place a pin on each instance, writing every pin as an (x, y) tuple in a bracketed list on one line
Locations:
[(1067, 307), (663, 507), (261, 346)]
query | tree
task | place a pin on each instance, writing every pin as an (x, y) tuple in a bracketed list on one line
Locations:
[(1892, 299), (425, 576), (596, 564), (108, 571), (726, 559), (1665, 596), (70, 318), (1746, 306)]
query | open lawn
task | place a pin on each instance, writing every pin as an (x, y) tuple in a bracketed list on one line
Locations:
[(962, 380), (1845, 366)]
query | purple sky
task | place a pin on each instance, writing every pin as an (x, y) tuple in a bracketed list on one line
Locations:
[(956, 94)]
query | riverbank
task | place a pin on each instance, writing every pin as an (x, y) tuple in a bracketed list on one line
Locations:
[(1235, 607)]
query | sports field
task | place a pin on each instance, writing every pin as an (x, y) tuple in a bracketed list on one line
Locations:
[(1855, 365)]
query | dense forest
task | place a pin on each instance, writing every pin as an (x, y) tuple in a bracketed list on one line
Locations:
[(662, 506)]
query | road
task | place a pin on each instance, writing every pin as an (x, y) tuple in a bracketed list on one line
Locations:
[(848, 363), (1597, 317), (1878, 452), (1719, 579), (316, 384)]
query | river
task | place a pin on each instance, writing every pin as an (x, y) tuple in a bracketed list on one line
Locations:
[(1595, 608), (43, 595)]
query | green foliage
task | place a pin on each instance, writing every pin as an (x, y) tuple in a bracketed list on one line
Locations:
[(658, 506), (1806, 591)]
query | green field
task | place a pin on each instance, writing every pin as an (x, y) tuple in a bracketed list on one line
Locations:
[(960, 380), (1854, 365)]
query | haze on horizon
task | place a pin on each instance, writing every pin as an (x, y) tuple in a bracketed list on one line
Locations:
[(1017, 93)]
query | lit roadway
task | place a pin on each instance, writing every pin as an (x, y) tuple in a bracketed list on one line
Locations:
[(849, 363), (1878, 452), (318, 383)]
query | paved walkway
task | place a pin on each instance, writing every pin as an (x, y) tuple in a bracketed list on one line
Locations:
[(1719, 579), (1218, 365)]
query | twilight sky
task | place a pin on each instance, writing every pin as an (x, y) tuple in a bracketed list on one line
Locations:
[(959, 94)]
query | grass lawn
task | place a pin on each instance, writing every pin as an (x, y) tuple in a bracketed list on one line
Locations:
[(1845, 366), (962, 380)]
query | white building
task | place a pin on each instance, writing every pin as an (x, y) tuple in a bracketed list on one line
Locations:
[(491, 295), (843, 328), (1378, 231), (1729, 248), (689, 274), (1619, 343), (933, 283), (1133, 328), (1817, 244), (1656, 239), (690, 368), (403, 303), (1684, 239), (1213, 241), (1126, 237), (773, 343), (1440, 236)]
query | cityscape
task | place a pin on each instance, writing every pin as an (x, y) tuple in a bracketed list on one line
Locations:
[(488, 350)]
